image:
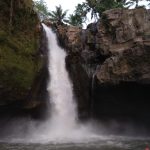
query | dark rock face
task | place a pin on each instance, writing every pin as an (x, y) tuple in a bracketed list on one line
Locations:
[(37, 101), (124, 77), (109, 64), (81, 85), (80, 74)]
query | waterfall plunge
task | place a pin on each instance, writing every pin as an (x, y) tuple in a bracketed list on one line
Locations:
[(62, 126), (63, 108)]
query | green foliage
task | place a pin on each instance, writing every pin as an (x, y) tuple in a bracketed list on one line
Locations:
[(27, 3), (81, 10), (41, 9), (18, 64), (79, 15), (94, 7), (99, 6), (58, 16), (75, 20)]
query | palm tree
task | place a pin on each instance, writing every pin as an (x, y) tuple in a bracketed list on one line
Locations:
[(75, 20), (58, 16), (41, 8)]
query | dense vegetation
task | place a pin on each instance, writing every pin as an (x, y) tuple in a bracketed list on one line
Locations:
[(18, 45), (58, 15), (94, 7)]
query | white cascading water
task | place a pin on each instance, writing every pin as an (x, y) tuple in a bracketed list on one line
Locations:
[(63, 108), (62, 125)]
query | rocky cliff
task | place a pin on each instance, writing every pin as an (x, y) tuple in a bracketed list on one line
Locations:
[(109, 63), (20, 61)]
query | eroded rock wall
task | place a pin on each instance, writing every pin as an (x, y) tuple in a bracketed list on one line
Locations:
[(110, 60)]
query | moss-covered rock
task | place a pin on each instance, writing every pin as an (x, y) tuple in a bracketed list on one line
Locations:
[(19, 61)]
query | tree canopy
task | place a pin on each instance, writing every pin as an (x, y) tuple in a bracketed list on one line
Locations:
[(97, 7), (79, 16), (93, 7), (75, 20), (58, 15), (41, 8)]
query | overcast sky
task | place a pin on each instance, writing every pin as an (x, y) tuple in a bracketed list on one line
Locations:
[(66, 4), (69, 4)]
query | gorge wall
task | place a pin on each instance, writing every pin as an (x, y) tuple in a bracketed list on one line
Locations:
[(21, 71), (109, 63)]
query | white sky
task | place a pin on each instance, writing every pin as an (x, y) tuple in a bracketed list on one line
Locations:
[(66, 4), (70, 4)]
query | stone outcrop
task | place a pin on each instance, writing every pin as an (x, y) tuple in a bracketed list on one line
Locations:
[(125, 34), (122, 28), (111, 61), (131, 65), (69, 37)]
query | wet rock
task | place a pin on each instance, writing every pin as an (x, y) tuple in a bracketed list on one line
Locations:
[(113, 54)]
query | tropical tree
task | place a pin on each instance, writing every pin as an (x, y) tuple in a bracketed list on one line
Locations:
[(75, 20), (58, 16), (41, 8), (97, 7), (82, 10), (79, 16)]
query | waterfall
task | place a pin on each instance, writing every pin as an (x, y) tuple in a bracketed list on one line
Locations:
[(62, 125), (63, 108)]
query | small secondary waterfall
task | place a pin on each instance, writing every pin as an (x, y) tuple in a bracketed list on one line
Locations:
[(63, 108)]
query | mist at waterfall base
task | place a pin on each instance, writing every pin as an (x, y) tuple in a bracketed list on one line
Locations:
[(63, 130), (62, 125)]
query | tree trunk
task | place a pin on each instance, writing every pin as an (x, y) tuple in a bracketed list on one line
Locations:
[(11, 14)]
